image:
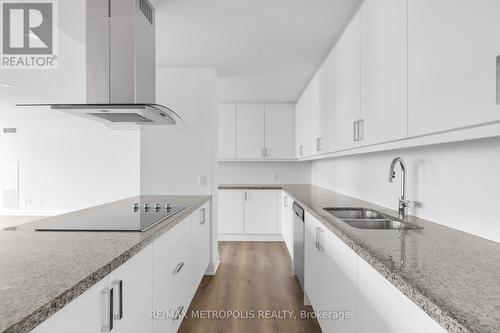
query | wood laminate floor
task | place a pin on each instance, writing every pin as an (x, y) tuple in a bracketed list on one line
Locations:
[(253, 277)]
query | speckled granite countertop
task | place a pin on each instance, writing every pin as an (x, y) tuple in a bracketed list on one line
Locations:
[(453, 276), (40, 272)]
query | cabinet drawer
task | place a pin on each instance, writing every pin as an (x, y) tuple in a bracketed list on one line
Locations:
[(172, 285), (163, 245)]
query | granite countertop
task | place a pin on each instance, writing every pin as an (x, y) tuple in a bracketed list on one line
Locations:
[(452, 275), (41, 272)]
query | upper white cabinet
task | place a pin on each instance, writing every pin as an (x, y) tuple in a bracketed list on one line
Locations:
[(452, 49), (250, 127), (256, 131), (348, 87), (279, 131), (227, 131), (384, 70)]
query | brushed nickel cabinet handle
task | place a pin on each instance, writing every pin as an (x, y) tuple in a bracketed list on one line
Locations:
[(119, 285), (179, 267), (108, 293)]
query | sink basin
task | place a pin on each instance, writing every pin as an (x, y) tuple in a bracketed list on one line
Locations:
[(361, 218), (380, 224), (355, 214)]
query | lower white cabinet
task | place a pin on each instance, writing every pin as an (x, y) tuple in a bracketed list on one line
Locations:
[(337, 280), (383, 308), (287, 222), (252, 212), (87, 313), (150, 292), (261, 212), (201, 242), (330, 277)]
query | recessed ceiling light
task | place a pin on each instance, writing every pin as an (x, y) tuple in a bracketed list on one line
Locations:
[(7, 85), (259, 51)]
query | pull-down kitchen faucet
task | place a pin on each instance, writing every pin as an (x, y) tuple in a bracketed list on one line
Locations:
[(402, 203)]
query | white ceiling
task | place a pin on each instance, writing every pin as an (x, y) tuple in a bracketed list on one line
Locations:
[(262, 50)]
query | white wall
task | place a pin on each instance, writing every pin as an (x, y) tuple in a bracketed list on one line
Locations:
[(262, 172), (172, 161), (452, 184), (68, 162)]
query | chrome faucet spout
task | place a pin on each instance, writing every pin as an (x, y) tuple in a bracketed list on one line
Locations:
[(402, 203)]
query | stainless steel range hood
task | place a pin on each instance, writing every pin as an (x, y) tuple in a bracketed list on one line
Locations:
[(120, 68)]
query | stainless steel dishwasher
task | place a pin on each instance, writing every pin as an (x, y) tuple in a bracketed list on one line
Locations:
[(298, 243)]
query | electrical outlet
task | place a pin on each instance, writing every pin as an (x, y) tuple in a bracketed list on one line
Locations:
[(202, 180), (275, 175)]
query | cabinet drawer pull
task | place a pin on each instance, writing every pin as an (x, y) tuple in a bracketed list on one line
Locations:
[(203, 215), (320, 243), (108, 293), (178, 312), (119, 284), (361, 130), (179, 267)]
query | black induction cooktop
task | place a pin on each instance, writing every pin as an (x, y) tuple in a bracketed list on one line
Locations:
[(131, 215)]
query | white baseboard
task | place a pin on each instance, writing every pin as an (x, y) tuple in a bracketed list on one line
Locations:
[(250, 237), (212, 268)]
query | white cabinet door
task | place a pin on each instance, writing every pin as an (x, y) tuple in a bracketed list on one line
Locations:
[(383, 308), (230, 212), (316, 111), (226, 130), (312, 263), (300, 129), (451, 64), (172, 283), (279, 131), (201, 242), (287, 222), (261, 212), (333, 264), (328, 142), (132, 285), (348, 85), (384, 70), (84, 314), (250, 131)]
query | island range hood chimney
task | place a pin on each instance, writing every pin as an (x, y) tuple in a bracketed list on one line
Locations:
[(120, 68)]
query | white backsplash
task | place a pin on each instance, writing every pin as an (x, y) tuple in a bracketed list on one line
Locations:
[(457, 185)]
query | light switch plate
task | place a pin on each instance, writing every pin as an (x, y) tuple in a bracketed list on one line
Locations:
[(202, 180)]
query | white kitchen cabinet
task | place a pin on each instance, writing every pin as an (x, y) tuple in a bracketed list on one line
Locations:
[(172, 283), (348, 85), (246, 214), (316, 111), (287, 221), (261, 212), (301, 130), (384, 70), (279, 131), (330, 276), (230, 211), (328, 144), (452, 49), (226, 130), (132, 285), (201, 242), (383, 308), (84, 314), (250, 131)]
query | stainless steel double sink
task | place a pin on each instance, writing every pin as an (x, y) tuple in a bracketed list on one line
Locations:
[(362, 218)]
